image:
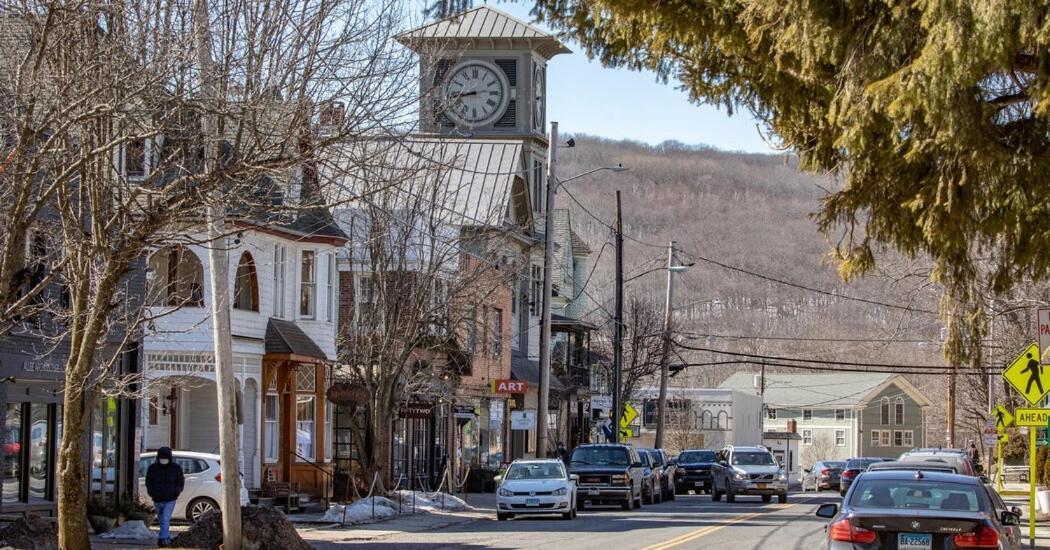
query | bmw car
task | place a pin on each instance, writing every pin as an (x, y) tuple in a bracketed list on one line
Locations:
[(536, 487), (905, 510)]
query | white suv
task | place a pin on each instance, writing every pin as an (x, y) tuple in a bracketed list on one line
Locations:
[(202, 490)]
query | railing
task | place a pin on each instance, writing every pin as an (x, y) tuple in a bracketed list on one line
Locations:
[(329, 477)]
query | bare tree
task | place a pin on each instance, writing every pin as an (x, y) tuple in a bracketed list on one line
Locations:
[(821, 448), (102, 156)]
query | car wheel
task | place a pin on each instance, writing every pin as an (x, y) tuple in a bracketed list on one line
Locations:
[(567, 515), (629, 503), (716, 495), (730, 495), (503, 517), (767, 498), (199, 506), (782, 498)]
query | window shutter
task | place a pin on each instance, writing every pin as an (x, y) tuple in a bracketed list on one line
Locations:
[(510, 116)]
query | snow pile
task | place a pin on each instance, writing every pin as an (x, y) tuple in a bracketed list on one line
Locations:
[(131, 530), (361, 511), (432, 502)]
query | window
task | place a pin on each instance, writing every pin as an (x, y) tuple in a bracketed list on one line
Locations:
[(134, 158), (909, 438), (535, 304), (330, 289), (246, 285), (884, 438), (472, 330), (771, 414), (807, 414), (497, 332), (898, 438), (898, 411), (875, 438), (176, 278), (308, 285), (484, 324), (885, 411), (840, 415), (807, 437), (840, 438), (271, 413), (154, 413), (305, 411), (278, 280)]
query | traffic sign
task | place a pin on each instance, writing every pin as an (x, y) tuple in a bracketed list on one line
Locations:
[(1035, 418), (1025, 374), (1042, 319), (629, 414), (1003, 418)]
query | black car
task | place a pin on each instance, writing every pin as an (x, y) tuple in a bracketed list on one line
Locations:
[(652, 489), (906, 510), (694, 471), (608, 474), (854, 467)]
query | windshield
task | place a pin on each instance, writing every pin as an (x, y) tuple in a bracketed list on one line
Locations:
[(551, 470), (915, 495), (861, 464), (600, 456), (697, 456), (753, 459), (657, 456), (835, 465)]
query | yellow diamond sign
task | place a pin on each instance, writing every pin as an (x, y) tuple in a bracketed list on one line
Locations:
[(1025, 374), (629, 414), (1003, 418)]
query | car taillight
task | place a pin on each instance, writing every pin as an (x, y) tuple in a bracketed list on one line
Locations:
[(843, 531), (983, 537), (825, 471), (218, 477), (849, 473)]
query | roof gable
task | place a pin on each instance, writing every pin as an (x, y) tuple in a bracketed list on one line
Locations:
[(812, 390), (488, 24)]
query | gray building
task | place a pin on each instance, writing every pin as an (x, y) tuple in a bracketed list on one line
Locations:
[(840, 416)]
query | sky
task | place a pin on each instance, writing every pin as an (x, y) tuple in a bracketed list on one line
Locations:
[(584, 97)]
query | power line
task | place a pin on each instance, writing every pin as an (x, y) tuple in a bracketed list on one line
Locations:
[(697, 336), (808, 288), (606, 224), (815, 361), (682, 366)]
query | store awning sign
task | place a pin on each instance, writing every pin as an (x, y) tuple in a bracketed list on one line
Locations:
[(510, 386)]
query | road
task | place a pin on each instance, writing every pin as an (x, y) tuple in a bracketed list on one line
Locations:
[(689, 522)]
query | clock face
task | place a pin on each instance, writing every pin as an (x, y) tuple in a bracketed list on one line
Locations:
[(476, 93), (537, 98)]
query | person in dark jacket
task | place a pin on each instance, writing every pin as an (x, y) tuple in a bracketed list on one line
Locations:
[(164, 481)]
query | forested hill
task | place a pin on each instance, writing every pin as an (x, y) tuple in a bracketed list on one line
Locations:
[(751, 212)]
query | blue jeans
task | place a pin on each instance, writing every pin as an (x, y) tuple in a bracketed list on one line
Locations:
[(164, 511)]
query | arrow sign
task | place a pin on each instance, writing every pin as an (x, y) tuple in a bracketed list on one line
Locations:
[(1025, 374), (629, 414)]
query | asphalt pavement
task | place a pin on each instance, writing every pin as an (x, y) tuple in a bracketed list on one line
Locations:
[(692, 521)]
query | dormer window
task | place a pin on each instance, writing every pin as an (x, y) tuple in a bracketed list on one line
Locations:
[(134, 159)]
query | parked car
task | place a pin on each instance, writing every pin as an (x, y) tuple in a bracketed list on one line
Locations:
[(748, 471), (957, 460), (854, 467), (608, 474), (652, 488), (668, 468), (920, 511), (823, 475), (914, 466), (536, 487), (203, 483), (693, 471)]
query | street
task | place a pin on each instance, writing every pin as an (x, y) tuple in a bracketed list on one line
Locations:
[(689, 522)]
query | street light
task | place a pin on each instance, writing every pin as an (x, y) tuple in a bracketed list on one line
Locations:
[(666, 352), (548, 257)]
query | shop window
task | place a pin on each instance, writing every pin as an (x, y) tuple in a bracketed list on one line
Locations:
[(246, 285), (308, 285), (12, 489), (177, 278), (38, 451), (104, 436)]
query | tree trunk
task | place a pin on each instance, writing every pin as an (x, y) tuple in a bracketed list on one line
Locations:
[(72, 501)]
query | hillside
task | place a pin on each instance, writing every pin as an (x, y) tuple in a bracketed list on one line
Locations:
[(751, 212)]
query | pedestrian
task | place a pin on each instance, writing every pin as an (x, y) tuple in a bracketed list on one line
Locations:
[(164, 482), (975, 455), (561, 453)]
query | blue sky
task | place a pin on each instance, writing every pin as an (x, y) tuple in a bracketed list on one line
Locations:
[(585, 97)]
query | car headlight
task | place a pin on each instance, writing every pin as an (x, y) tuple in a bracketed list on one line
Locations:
[(561, 492), (783, 476), (738, 475), (505, 492), (618, 479)]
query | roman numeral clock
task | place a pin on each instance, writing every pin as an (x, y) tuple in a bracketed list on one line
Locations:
[(476, 93)]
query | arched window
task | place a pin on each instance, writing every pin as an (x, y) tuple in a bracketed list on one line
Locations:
[(885, 411), (178, 278), (723, 420), (898, 411), (707, 420), (246, 285)]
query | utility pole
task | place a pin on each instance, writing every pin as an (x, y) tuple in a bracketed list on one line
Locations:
[(545, 312), (951, 409), (226, 392), (618, 326), (661, 404)]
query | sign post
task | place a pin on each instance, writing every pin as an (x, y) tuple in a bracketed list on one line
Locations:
[(1033, 419), (1002, 419), (1025, 374)]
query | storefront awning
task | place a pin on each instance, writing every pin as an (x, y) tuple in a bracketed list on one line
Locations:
[(285, 337), (523, 368)]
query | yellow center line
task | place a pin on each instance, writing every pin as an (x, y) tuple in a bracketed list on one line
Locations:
[(703, 531)]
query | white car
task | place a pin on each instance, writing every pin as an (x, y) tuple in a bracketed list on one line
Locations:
[(202, 490), (536, 487)]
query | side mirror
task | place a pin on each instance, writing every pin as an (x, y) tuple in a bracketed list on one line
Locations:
[(498, 479), (1009, 518), (574, 478), (1016, 511), (827, 511), (985, 480)]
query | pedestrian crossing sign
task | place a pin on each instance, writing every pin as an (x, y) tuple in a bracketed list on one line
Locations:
[(1003, 418), (1025, 374)]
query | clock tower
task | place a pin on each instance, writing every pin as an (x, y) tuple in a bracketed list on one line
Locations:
[(483, 74)]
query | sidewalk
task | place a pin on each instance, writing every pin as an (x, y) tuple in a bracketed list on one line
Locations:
[(1016, 494), (323, 536)]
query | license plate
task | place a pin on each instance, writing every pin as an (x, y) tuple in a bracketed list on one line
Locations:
[(761, 485), (532, 502), (914, 541), (593, 492), (698, 484)]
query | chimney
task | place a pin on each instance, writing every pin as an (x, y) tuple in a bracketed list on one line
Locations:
[(332, 114), (792, 426)]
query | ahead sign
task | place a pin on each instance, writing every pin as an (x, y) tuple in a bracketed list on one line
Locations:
[(1032, 417)]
